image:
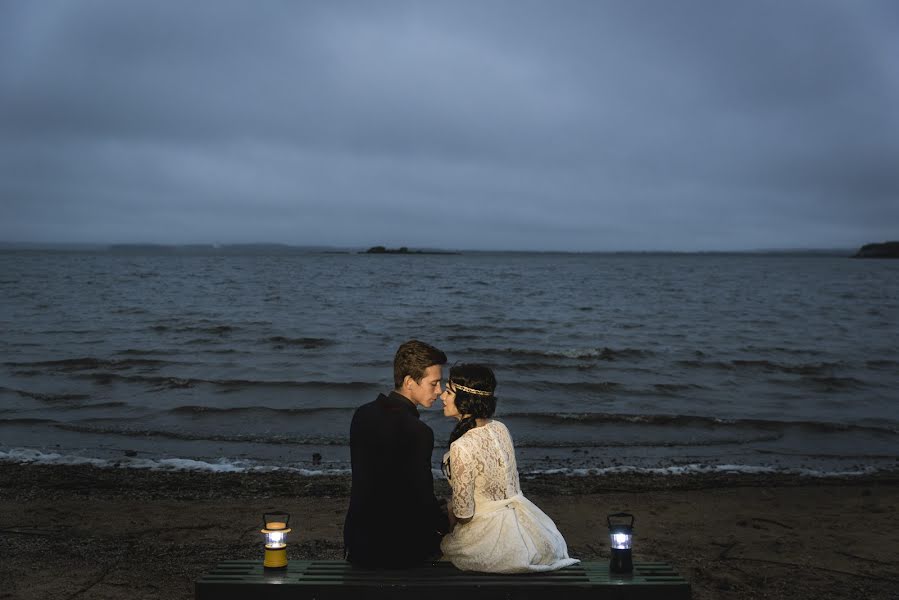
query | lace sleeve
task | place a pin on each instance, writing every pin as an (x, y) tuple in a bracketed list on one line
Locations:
[(463, 474)]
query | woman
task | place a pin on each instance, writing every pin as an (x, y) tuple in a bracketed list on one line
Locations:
[(497, 530)]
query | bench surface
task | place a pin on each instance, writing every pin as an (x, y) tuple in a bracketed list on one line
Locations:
[(338, 580)]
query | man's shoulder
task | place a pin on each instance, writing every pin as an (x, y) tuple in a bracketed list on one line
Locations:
[(369, 406), (390, 408), (419, 431), (384, 417)]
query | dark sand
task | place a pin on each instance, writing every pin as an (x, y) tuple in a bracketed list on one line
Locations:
[(82, 532)]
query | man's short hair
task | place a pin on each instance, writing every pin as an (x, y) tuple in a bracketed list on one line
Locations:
[(413, 358)]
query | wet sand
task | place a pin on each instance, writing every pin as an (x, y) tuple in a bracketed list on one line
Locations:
[(81, 532)]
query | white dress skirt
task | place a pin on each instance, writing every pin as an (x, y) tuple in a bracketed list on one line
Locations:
[(507, 532)]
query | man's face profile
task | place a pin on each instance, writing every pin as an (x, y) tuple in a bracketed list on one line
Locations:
[(425, 392)]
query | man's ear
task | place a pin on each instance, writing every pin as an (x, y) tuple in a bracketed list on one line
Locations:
[(407, 382)]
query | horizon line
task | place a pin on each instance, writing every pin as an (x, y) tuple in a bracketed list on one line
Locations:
[(4, 245)]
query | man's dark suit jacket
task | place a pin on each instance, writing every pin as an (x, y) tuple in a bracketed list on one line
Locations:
[(394, 520)]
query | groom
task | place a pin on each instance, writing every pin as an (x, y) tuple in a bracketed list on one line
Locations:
[(394, 520)]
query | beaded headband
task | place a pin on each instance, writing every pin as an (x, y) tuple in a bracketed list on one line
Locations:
[(471, 390)]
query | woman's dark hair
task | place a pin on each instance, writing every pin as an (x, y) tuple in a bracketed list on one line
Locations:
[(473, 406)]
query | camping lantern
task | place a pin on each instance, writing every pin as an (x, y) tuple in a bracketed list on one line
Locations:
[(621, 538), (275, 529)]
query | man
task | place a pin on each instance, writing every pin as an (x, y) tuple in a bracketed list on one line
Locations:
[(394, 520)]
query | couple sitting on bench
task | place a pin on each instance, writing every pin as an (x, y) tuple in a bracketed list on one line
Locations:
[(394, 519)]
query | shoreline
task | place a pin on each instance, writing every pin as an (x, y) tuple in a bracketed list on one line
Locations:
[(22, 480), (567, 462), (84, 532)]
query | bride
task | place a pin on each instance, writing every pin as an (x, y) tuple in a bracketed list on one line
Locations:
[(496, 529)]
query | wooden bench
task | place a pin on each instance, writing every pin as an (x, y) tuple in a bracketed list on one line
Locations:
[(338, 580)]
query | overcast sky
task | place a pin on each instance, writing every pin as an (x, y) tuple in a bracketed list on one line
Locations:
[(553, 125)]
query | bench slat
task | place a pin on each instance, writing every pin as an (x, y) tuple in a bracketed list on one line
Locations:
[(338, 580)]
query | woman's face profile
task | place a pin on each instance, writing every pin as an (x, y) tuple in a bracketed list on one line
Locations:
[(449, 402)]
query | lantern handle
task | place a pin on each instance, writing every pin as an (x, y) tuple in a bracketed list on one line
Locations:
[(622, 515), (279, 513)]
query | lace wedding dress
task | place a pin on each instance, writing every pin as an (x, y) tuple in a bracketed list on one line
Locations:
[(507, 532)]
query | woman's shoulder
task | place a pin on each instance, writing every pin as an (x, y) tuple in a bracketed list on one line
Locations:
[(465, 442), (470, 438), (500, 426), (475, 435)]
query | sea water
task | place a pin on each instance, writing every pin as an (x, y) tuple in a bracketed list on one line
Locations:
[(664, 363)]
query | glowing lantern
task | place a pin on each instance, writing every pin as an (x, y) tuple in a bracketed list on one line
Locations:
[(621, 539), (275, 528)]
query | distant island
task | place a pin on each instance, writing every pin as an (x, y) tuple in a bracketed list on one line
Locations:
[(881, 250), (402, 250)]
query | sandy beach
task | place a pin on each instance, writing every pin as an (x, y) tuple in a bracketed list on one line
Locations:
[(72, 532)]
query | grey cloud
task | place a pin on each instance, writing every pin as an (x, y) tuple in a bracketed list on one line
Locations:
[(580, 125)]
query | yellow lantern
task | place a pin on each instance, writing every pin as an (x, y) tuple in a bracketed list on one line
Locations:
[(275, 528)]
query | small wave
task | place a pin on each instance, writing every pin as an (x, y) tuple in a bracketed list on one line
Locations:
[(50, 398), (694, 420), (201, 342), (800, 369), (378, 363), (28, 373), (240, 410), (842, 456), (763, 365), (130, 310), (692, 443), (216, 330), (142, 352), (91, 363), (170, 383), (76, 407), (160, 383), (336, 385), (882, 364), (830, 384), (488, 327), (230, 384), (55, 332), (563, 418), (675, 388), (781, 350), (308, 343), (700, 468), (25, 421), (103, 426), (706, 364), (222, 465), (546, 366), (111, 404), (604, 353), (220, 330), (583, 387)]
